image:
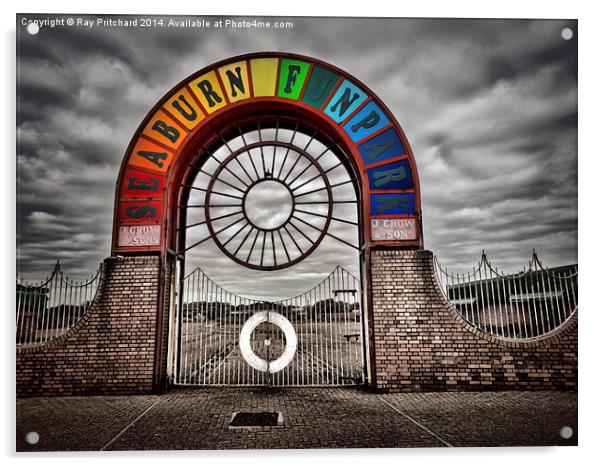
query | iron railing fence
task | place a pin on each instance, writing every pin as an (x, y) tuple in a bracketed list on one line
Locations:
[(327, 320), (50, 307), (522, 305)]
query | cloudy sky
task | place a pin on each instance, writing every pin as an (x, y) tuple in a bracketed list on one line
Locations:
[(489, 107)]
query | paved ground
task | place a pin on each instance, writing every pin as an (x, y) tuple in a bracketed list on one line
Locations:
[(313, 418)]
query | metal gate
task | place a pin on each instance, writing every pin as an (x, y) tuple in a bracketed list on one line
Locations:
[(316, 338)]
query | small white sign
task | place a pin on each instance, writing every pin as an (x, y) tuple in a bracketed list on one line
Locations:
[(393, 229), (140, 235)]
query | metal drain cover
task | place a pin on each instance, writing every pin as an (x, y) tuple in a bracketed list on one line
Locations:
[(256, 419)]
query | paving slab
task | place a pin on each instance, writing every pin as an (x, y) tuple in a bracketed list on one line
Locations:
[(198, 419)]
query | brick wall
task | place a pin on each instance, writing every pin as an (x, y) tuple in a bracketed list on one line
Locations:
[(112, 349), (422, 344)]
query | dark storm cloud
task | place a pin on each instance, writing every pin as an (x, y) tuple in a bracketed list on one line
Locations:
[(489, 107)]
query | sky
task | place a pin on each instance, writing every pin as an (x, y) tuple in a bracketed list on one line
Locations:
[(488, 106)]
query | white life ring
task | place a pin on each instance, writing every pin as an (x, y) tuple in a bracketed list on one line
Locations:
[(245, 341)]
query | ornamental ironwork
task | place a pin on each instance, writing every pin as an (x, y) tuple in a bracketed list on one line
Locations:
[(269, 195)]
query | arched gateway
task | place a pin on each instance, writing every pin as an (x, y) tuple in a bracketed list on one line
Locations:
[(223, 140), (273, 117)]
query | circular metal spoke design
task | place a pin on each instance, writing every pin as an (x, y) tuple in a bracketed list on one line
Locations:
[(269, 196)]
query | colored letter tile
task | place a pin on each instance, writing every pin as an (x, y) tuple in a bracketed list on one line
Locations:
[(209, 92), (321, 83), (386, 204), (292, 78), (148, 155), (365, 122), (184, 108), (396, 175), (264, 72), (345, 101), (383, 146), (236, 81)]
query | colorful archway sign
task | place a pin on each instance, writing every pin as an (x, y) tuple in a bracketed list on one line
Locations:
[(194, 109)]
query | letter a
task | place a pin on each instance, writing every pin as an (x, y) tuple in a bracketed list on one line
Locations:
[(374, 150), (153, 157)]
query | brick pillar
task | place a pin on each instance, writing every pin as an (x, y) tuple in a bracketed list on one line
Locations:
[(421, 343), (113, 348)]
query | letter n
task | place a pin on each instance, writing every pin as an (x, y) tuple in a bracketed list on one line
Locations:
[(235, 81), (344, 102)]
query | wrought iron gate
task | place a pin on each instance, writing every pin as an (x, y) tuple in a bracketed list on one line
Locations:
[(323, 345)]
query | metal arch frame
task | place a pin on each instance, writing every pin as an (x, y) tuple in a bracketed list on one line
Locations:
[(204, 135), (199, 155), (232, 157), (203, 132), (266, 110), (266, 113)]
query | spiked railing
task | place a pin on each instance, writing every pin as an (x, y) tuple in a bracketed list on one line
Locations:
[(523, 305), (49, 308)]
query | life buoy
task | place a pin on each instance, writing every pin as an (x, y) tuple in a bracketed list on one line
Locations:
[(245, 341)]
